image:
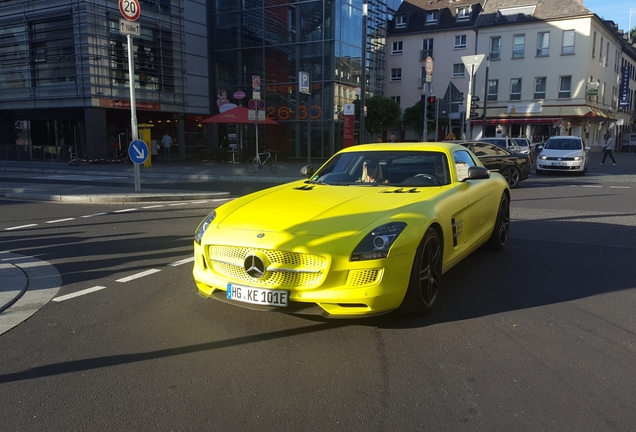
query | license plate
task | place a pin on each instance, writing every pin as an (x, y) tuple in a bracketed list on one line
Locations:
[(259, 296), (559, 164)]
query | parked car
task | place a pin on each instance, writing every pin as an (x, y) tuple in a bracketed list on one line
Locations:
[(372, 230), (515, 167), (563, 154), (525, 146)]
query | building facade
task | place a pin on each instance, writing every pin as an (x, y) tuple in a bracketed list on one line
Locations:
[(274, 40), (549, 67), (64, 76)]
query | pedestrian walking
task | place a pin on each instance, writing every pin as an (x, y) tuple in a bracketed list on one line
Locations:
[(608, 148), (393, 139), (166, 142)]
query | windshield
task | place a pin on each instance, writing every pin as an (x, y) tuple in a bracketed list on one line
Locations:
[(563, 144), (392, 168)]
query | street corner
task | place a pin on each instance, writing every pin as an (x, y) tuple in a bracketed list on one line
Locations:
[(27, 285)]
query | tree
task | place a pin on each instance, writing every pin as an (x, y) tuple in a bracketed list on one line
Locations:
[(414, 117), (382, 113), (631, 37)]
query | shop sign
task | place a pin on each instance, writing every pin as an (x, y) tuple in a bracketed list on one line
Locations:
[(592, 88), (531, 108)]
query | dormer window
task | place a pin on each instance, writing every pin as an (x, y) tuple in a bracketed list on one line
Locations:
[(432, 17), (463, 13), (400, 21)]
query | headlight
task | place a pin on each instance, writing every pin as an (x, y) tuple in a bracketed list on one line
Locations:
[(543, 157), (377, 243), (203, 226), (578, 158)]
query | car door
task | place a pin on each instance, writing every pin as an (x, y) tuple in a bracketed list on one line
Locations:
[(480, 199), (491, 156)]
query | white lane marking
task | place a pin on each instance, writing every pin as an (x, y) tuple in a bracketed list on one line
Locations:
[(20, 227), (125, 210), (198, 202), (592, 186), (95, 214), (78, 293), (154, 206), (180, 262), (620, 187), (138, 275), (178, 204), (60, 220)]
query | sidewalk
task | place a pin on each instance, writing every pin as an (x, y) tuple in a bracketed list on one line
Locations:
[(189, 170)]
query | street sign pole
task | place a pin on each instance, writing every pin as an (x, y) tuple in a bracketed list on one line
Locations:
[(471, 63)]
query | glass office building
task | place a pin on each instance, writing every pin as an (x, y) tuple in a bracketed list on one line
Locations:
[(274, 40)]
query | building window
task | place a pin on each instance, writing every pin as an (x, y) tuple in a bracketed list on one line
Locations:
[(495, 48), (463, 13), (519, 46), (459, 70), (607, 54), (515, 89), (397, 47), (568, 42), (600, 53), (427, 48), (493, 90), (565, 84), (594, 45), (400, 21), (543, 44), (460, 41), (396, 99), (396, 74), (539, 88), (432, 17), (53, 48)]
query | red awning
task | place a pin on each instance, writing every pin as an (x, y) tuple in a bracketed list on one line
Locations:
[(521, 120), (236, 115)]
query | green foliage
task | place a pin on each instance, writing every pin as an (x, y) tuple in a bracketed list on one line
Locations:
[(414, 116), (382, 113)]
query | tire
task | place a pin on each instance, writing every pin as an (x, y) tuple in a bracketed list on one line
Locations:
[(512, 176), (252, 165), (426, 275), (272, 165), (500, 232)]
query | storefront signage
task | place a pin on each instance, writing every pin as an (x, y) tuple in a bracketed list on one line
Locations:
[(112, 103), (531, 108), (624, 88), (349, 125), (592, 88)]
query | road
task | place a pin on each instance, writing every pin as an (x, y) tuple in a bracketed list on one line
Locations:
[(537, 337)]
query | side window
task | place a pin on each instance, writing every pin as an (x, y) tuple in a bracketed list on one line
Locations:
[(463, 160), (485, 149)]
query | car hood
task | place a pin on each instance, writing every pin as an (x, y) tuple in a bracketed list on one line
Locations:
[(320, 210), (561, 153)]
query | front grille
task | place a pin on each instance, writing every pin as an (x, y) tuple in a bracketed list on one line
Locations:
[(358, 278), (564, 159), (286, 269)]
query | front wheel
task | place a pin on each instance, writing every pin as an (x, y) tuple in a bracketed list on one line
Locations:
[(252, 165), (426, 275), (499, 235), (272, 165)]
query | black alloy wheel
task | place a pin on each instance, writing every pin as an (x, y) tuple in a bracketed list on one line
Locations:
[(512, 176), (426, 275), (499, 235)]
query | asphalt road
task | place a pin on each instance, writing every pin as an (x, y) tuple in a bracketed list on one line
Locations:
[(537, 337)]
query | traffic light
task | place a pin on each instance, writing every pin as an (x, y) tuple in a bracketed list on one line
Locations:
[(473, 107), (431, 108)]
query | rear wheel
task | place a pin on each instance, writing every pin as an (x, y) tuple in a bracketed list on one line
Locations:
[(426, 275), (512, 176), (499, 235), (252, 164), (272, 165)]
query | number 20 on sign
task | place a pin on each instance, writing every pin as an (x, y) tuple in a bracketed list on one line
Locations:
[(130, 9)]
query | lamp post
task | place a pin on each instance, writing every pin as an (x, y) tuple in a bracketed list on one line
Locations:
[(629, 25), (485, 120), (363, 70)]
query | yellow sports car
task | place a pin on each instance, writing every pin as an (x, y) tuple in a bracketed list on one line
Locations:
[(373, 230)]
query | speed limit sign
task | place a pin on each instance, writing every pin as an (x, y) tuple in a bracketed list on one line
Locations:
[(129, 9)]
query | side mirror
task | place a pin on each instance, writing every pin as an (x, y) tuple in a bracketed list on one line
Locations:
[(477, 173), (588, 148), (307, 171)]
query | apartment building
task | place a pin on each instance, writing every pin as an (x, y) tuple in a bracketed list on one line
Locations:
[(550, 68)]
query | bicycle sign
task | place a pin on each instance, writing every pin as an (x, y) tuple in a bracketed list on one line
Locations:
[(130, 9)]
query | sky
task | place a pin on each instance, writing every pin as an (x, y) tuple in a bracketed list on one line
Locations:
[(614, 10)]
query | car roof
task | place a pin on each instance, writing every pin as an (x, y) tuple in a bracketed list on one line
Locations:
[(565, 137), (441, 146)]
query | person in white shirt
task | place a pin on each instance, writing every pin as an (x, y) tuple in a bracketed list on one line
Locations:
[(166, 142), (608, 148)]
